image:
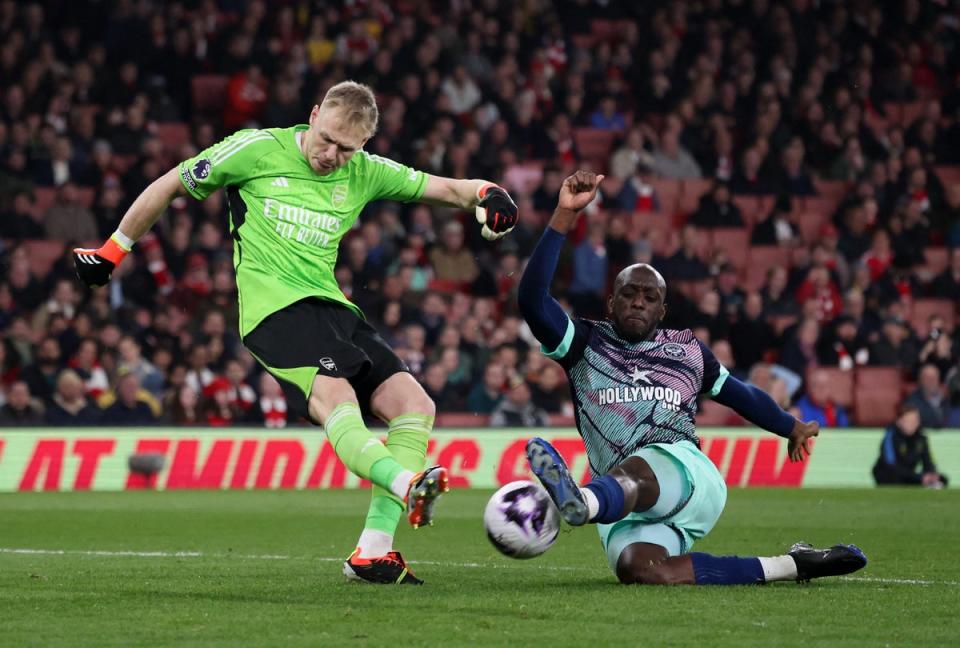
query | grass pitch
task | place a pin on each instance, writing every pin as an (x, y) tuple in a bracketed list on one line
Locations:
[(263, 568)]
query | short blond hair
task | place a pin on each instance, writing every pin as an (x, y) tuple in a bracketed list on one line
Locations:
[(358, 102)]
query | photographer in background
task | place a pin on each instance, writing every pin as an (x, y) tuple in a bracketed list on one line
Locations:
[(904, 446)]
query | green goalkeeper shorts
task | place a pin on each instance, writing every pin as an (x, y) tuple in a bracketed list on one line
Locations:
[(686, 476)]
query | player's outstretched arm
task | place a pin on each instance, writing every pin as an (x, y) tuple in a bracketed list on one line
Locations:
[(546, 318), (756, 406), (94, 266), (494, 207)]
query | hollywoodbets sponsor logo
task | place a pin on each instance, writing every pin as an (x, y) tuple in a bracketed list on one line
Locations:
[(666, 397)]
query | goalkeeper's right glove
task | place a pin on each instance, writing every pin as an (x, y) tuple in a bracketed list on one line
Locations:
[(496, 211), (94, 267)]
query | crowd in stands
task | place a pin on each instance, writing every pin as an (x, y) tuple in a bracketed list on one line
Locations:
[(790, 166)]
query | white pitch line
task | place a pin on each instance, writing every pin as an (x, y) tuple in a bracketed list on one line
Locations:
[(898, 581), (467, 565), (198, 554)]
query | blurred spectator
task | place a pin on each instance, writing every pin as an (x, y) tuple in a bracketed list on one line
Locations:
[(41, 376), (183, 408), (549, 390), (947, 283), (590, 265), (817, 404), (70, 406), (717, 209), (671, 160), (751, 336), (461, 92), (486, 395), (607, 117), (517, 410), (800, 351), (895, 346), (20, 409), (218, 408), (777, 228), (687, 263), (270, 410), (246, 98), (905, 454), (819, 287), (930, 398), (242, 395), (451, 261), (439, 390), (844, 346), (129, 407), (130, 360), (20, 220), (626, 158)]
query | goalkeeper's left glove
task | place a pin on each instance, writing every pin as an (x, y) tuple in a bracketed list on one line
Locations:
[(496, 211)]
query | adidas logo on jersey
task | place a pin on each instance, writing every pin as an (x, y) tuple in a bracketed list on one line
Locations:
[(280, 182)]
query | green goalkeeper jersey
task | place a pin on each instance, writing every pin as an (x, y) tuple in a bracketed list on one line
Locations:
[(286, 221)]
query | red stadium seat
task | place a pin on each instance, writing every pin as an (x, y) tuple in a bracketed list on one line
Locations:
[(810, 225), (949, 175), (602, 29), (735, 242), (42, 254), (877, 405), (173, 135), (923, 309), (209, 92), (911, 111), (824, 205), (841, 384), (691, 189), (713, 413), (751, 209), (876, 377), (667, 191), (655, 227), (86, 195), (759, 262), (834, 191)]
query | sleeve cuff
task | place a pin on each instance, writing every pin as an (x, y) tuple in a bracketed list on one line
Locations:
[(718, 384), (564, 347)]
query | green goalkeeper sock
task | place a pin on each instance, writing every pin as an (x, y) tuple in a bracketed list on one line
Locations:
[(407, 442), (361, 452)]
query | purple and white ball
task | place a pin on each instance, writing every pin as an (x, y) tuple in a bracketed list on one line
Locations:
[(521, 521)]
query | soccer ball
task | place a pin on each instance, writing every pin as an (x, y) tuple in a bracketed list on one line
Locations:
[(521, 521)]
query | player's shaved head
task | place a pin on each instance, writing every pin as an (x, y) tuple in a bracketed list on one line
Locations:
[(637, 305)]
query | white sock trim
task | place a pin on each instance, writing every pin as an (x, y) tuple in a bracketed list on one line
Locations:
[(401, 484), (374, 543), (123, 240), (778, 568), (593, 504)]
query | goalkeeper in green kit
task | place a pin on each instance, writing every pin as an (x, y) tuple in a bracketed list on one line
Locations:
[(293, 194)]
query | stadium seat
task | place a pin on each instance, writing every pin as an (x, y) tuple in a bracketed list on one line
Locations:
[(751, 209), (923, 309), (42, 254), (877, 377), (841, 384), (602, 29), (173, 135), (876, 405), (667, 191), (811, 223), (824, 205), (910, 112), (594, 143), (209, 92), (655, 227), (713, 413), (949, 175), (832, 190), (759, 261), (734, 241), (691, 189), (86, 195)]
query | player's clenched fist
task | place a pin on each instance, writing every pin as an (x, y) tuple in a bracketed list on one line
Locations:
[(94, 267), (496, 211), (579, 190)]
